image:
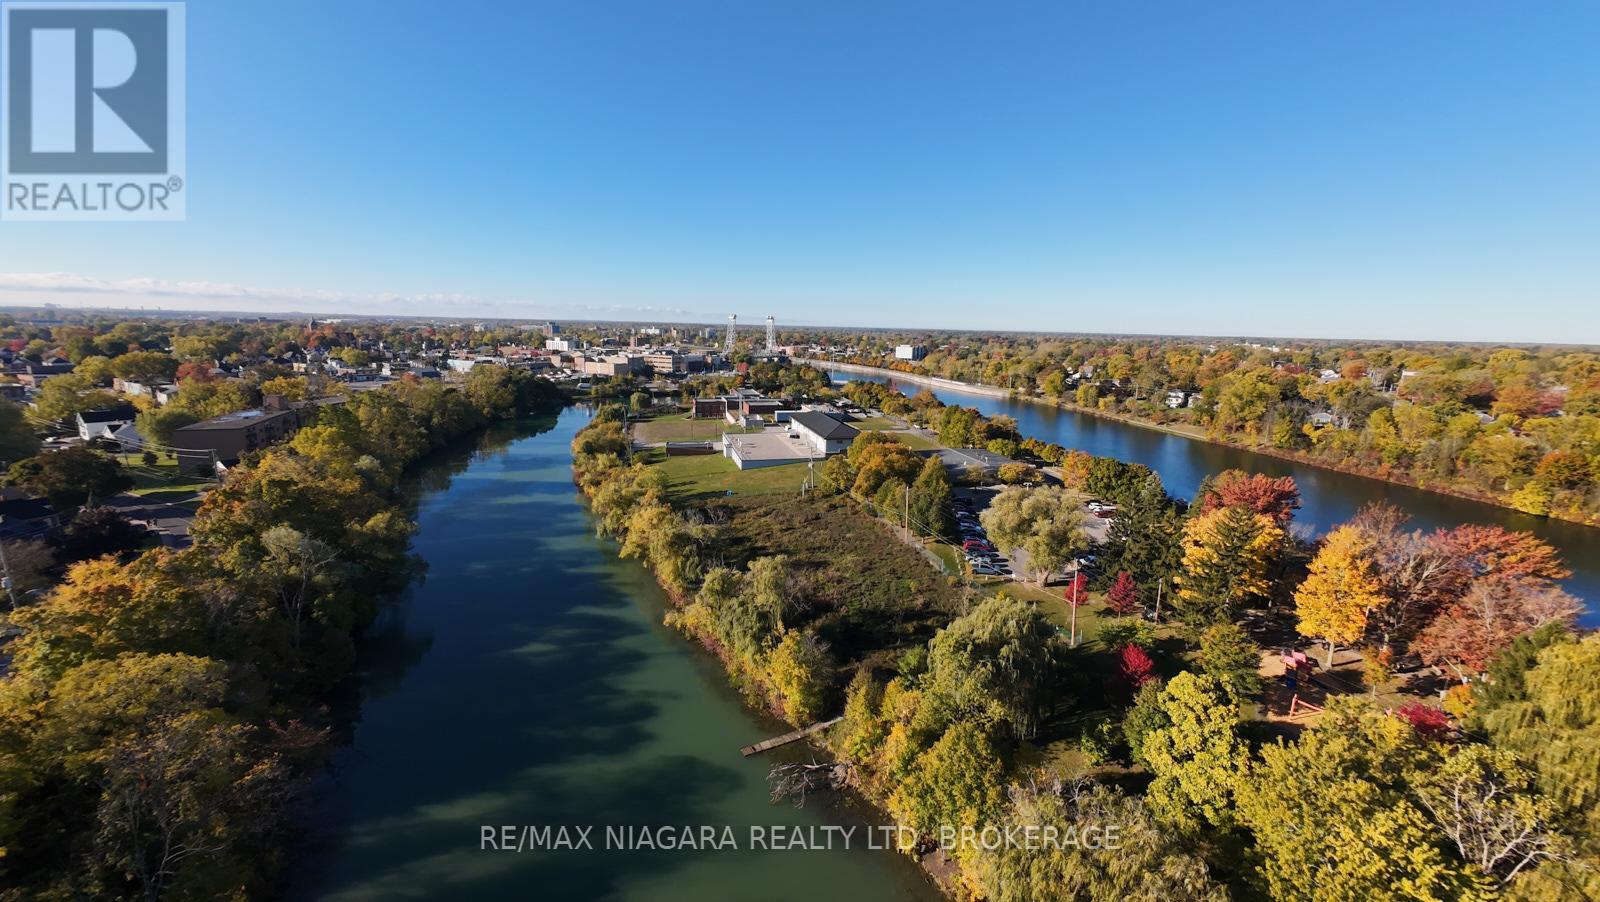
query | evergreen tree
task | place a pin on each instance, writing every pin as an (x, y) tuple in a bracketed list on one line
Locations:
[(1143, 539), (1227, 555)]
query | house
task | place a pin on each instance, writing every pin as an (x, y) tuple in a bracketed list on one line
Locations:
[(825, 434), (94, 424), (1176, 398), (910, 352), (25, 517)]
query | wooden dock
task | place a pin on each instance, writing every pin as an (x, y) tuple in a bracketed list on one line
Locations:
[(785, 739)]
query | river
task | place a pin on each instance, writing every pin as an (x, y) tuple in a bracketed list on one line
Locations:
[(529, 681), (1327, 497)]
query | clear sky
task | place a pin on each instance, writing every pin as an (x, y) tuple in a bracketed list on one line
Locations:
[(1341, 169)]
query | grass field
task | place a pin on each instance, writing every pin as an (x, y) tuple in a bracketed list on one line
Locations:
[(916, 441), (694, 477), (163, 479), (678, 427), (866, 591), (877, 424)]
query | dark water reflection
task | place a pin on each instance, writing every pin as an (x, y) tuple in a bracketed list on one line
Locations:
[(1327, 497), (528, 680)]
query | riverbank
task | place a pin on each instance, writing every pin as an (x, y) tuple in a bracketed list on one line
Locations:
[(1187, 432), (530, 680)]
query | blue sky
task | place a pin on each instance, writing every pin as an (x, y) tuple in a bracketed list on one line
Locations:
[(1351, 169)]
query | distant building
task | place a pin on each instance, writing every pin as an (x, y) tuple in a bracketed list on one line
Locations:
[(825, 434), (910, 352), (664, 361), (709, 407), (550, 330)]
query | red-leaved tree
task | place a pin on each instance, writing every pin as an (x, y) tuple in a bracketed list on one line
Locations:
[(1278, 497), (1124, 595), (1136, 666), (1430, 723)]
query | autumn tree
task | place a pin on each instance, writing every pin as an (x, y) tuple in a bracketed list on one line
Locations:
[(802, 672), (1417, 573), (1227, 555), (1332, 815), (1467, 635), (1333, 601), (1277, 497), (1123, 597)]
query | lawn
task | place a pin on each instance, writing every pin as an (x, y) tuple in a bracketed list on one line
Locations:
[(163, 479), (1091, 614), (877, 424), (916, 441), (695, 476), (677, 427)]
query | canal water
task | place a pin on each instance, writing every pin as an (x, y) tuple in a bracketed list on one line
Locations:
[(1327, 498), (529, 681)]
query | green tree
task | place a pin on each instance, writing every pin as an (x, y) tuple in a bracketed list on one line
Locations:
[(69, 477), (160, 424), (931, 500), (959, 782), (1196, 756), (1143, 539), (1044, 523), (998, 663), (1149, 862), (145, 366), (1332, 815), (64, 397), (1228, 655), (17, 438)]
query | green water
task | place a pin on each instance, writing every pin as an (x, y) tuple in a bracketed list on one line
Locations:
[(528, 681)]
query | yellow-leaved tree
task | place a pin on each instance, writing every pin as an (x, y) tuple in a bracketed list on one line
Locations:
[(1342, 587)]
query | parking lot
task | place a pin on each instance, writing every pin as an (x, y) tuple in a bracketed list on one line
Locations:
[(987, 560)]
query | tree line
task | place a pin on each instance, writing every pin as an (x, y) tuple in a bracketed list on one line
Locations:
[(1518, 426), (158, 714)]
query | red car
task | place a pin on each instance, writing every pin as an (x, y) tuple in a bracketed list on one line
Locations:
[(976, 545)]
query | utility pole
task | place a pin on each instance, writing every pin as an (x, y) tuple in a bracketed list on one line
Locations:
[(908, 513), (1074, 605), (1159, 583)]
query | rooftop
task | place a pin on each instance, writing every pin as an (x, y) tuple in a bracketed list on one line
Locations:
[(824, 425)]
